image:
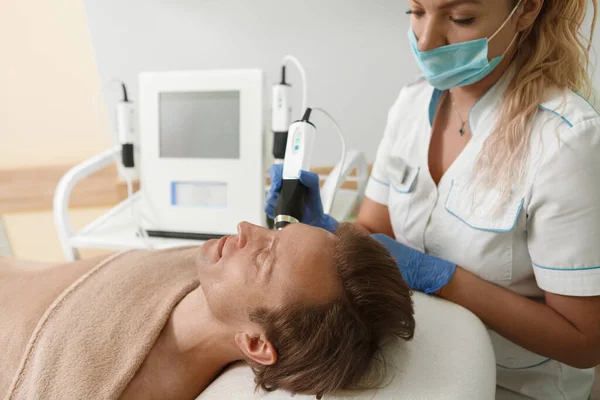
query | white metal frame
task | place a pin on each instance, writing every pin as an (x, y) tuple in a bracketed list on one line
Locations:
[(116, 230), (62, 195)]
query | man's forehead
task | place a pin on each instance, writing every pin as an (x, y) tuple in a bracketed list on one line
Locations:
[(299, 244), (306, 231), (308, 251)]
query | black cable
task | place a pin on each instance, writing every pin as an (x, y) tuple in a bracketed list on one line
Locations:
[(306, 116), (283, 82), (125, 97)]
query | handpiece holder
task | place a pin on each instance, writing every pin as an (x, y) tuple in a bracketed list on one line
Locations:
[(281, 116)]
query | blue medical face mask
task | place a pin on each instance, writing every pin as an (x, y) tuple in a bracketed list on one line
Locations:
[(459, 64)]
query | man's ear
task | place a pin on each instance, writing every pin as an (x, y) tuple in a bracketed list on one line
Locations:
[(258, 348)]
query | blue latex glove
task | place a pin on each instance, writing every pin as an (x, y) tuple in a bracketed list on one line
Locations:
[(313, 209), (421, 271)]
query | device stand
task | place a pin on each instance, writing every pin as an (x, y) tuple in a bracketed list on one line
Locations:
[(117, 230)]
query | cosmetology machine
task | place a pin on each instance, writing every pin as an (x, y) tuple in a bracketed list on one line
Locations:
[(199, 157), (201, 152)]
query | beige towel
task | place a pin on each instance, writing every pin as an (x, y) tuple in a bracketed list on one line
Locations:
[(82, 330)]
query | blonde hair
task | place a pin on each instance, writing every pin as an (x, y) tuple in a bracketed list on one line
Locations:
[(552, 53)]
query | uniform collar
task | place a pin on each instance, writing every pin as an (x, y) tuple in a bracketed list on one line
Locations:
[(488, 105), (483, 108)]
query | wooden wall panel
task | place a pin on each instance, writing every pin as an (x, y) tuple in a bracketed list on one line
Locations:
[(32, 189)]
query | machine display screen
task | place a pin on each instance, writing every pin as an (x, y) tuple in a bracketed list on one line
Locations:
[(199, 124)]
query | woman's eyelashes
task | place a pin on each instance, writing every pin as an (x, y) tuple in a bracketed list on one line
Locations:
[(416, 13), (458, 21), (463, 21)]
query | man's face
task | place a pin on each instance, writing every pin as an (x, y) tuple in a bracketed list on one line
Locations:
[(260, 268)]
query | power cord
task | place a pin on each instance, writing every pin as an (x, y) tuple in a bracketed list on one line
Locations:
[(342, 160), (298, 64)]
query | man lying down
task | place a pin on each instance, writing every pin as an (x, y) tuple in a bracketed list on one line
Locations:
[(306, 309)]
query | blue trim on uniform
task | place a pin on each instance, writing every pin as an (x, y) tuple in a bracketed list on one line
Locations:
[(433, 104), (565, 269), (528, 367), (557, 114), (380, 182), (479, 228), (586, 100), (412, 184)]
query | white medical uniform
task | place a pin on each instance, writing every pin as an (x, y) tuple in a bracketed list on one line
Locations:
[(546, 237)]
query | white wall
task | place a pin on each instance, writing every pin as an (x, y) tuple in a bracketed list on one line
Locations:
[(355, 51)]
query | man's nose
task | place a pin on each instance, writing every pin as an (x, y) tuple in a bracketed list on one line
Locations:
[(247, 233)]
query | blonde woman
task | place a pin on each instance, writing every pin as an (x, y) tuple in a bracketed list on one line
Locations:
[(488, 181)]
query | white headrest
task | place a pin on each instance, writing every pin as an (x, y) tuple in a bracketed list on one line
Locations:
[(450, 358)]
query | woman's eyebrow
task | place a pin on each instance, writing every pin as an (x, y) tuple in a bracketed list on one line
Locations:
[(454, 3)]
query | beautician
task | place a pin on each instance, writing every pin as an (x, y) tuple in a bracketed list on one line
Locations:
[(488, 180)]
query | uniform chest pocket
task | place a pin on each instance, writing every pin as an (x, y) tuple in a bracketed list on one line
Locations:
[(403, 181), (485, 226)]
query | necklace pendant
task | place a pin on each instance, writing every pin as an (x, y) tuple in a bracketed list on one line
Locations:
[(462, 131)]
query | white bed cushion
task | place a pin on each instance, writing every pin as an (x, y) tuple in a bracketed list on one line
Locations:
[(450, 358)]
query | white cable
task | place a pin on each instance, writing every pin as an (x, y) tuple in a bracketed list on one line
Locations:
[(343, 158), (298, 64), (137, 217)]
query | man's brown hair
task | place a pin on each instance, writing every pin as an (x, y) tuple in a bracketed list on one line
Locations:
[(325, 348)]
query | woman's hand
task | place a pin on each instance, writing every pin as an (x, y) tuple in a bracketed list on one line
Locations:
[(561, 329), (421, 271), (313, 210)]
